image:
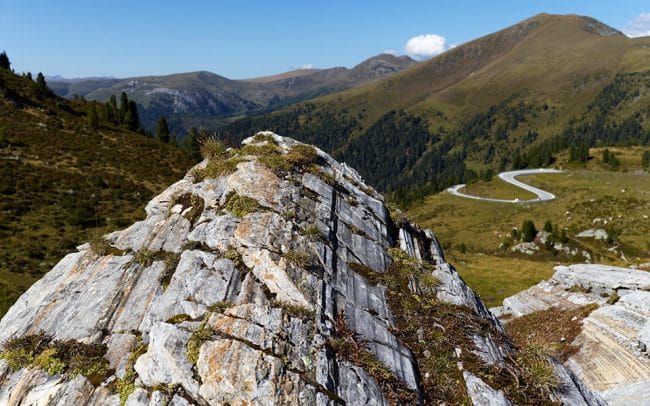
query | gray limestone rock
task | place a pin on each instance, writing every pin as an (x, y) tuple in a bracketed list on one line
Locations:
[(256, 299), (610, 366), (165, 361), (482, 394)]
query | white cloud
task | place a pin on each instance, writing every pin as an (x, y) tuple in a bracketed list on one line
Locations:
[(639, 26), (425, 46)]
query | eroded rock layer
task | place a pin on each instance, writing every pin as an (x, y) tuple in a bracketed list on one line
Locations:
[(614, 342)]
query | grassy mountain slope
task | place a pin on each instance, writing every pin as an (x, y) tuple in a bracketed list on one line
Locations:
[(492, 103), (60, 179), (204, 98)]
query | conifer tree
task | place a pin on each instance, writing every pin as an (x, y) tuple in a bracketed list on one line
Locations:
[(91, 115), (528, 231), (109, 113), (191, 145), (131, 118), (40, 81), (162, 130), (124, 106), (645, 159), (113, 102), (4, 61)]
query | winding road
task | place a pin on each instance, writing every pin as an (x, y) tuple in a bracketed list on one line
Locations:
[(542, 195)]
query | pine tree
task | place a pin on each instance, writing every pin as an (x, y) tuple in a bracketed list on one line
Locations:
[(109, 113), (191, 145), (40, 81), (131, 118), (124, 106), (548, 226), (4, 141), (162, 130), (4, 61), (606, 156), (91, 115), (528, 231), (113, 102), (645, 159)]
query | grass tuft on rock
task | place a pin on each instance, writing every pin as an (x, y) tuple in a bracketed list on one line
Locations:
[(198, 337), (194, 202), (100, 244), (220, 307), (301, 259), (293, 310), (553, 329), (347, 345), (57, 357), (299, 158), (179, 318), (126, 385), (239, 205), (313, 233)]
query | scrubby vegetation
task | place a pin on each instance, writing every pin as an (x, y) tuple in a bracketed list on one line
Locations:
[(434, 330), (551, 331), (298, 258), (195, 203), (62, 178), (178, 318), (352, 348), (126, 385), (293, 310), (57, 357)]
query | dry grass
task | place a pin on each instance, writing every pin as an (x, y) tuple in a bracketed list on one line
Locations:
[(552, 329), (352, 348)]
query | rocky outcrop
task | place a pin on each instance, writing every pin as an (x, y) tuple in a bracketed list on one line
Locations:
[(613, 344), (262, 277)]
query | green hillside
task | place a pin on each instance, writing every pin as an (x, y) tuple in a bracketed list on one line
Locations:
[(60, 179), (511, 99)]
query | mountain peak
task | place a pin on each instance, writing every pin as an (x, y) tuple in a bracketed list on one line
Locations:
[(585, 23)]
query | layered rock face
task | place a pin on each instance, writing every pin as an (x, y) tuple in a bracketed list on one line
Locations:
[(614, 342), (262, 284)]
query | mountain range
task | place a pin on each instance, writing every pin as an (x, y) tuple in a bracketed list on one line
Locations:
[(513, 98), (204, 99)]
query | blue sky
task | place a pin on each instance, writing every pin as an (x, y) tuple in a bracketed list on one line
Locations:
[(240, 39)]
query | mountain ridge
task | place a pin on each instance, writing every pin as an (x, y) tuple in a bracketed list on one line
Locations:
[(201, 97), (510, 99)]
